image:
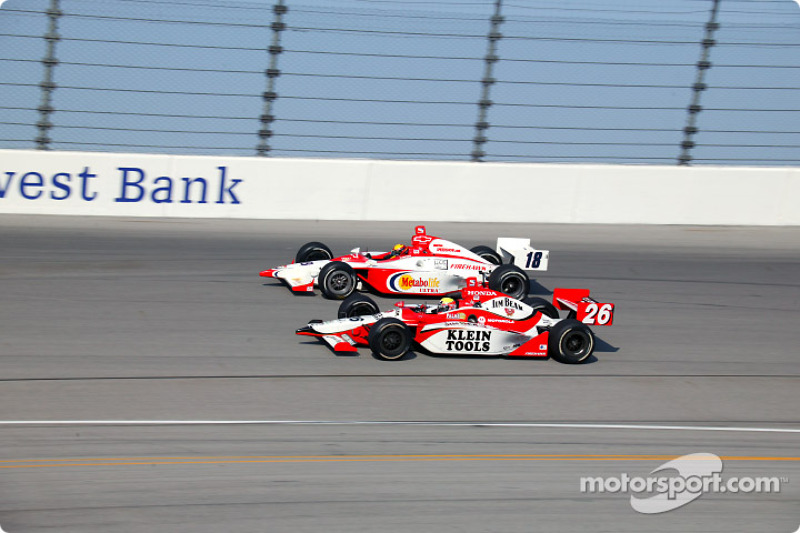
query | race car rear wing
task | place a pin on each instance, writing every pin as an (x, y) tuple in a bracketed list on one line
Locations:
[(519, 252), (583, 307)]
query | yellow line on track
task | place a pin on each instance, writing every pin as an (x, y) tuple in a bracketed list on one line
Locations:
[(151, 461)]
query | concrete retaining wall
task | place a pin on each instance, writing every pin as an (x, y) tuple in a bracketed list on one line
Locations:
[(83, 183)]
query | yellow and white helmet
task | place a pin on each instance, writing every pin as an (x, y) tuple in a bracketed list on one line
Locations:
[(399, 249), (446, 304)]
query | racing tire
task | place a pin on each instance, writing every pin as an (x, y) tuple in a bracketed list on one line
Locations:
[(358, 305), (571, 342), (389, 339), (488, 254), (510, 280), (313, 251), (542, 305), (337, 280)]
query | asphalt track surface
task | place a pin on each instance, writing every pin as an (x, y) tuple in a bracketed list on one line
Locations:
[(104, 321)]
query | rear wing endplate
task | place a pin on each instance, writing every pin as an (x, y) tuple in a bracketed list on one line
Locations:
[(583, 307), (520, 253)]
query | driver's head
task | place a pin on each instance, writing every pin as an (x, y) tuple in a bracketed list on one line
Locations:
[(399, 249), (446, 304)]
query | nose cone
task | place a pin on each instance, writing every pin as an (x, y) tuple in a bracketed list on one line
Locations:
[(305, 330), (267, 273)]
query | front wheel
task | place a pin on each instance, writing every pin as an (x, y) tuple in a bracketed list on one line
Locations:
[(510, 280), (337, 280), (389, 339), (358, 305), (313, 251), (571, 342)]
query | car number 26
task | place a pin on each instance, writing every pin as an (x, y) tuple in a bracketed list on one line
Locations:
[(599, 314)]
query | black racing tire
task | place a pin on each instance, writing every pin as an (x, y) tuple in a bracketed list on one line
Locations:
[(488, 254), (389, 339), (510, 280), (571, 342), (357, 305), (540, 304), (337, 280), (313, 251)]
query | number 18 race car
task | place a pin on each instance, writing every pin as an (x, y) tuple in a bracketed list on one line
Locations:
[(429, 266), (474, 321)]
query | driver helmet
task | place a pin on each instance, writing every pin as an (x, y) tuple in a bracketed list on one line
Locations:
[(446, 304), (399, 249)]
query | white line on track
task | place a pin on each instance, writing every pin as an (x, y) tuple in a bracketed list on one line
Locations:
[(390, 423)]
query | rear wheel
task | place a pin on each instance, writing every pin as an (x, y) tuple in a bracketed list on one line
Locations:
[(487, 254), (542, 305), (510, 280), (313, 251), (337, 280), (571, 342), (358, 305), (389, 339)]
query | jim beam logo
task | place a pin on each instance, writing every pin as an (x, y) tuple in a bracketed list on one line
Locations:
[(508, 305)]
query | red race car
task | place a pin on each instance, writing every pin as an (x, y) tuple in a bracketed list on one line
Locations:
[(429, 266), (473, 321)]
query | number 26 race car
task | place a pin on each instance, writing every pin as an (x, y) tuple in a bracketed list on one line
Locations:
[(429, 266), (474, 321)]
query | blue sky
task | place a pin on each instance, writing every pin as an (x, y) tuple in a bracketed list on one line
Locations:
[(578, 81)]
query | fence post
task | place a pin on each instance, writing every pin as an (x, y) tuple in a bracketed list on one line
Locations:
[(47, 85), (272, 72), (699, 86), (482, 125)]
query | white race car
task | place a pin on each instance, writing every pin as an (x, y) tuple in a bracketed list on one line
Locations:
[(429, 266)]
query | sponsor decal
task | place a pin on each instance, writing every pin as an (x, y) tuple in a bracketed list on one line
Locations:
[(482, 293), (193, 190), (440, 264), (462, 266), (406, 282), (135, 186), (509, 305), (438, 247), (468, 341), (456, 316), (500, 321)]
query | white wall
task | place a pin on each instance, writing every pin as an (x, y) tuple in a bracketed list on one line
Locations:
[(82, 183)]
